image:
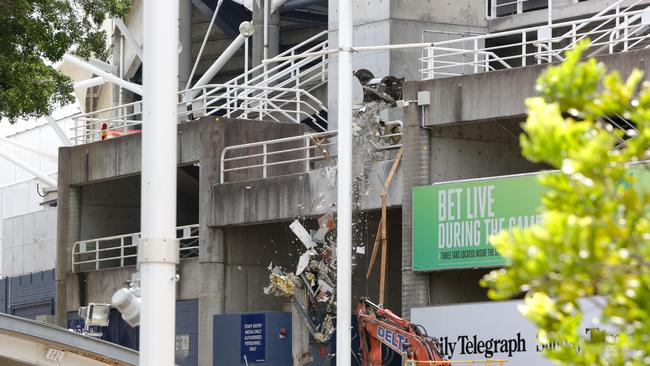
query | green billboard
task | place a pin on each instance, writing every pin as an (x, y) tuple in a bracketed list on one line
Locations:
[(453, 221)]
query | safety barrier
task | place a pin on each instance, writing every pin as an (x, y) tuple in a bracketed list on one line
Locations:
[(502, 8), (279, 93), (620, 31), (295, 154), (122, 250)]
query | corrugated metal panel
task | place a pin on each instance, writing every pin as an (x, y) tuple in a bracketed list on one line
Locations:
[(3, 295), (32, 310), (187, 332), (31, 295), (35, 287)]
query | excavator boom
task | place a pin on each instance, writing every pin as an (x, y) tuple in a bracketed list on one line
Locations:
[(379, 326)]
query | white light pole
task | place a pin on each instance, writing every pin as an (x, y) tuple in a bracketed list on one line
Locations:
[(158, 248), (344, 188)]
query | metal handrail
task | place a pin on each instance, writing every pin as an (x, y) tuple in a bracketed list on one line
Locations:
[(518, 8), (103, 253), (452, 57), (314, 147), (278, 94)]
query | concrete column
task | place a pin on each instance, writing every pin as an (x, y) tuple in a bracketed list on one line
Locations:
[(68, 219), (185, 39), (212, 241), (212, 289), (258, 37), (415, 171), (299, 331)]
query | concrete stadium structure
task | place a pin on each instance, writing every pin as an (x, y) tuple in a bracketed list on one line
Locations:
[(460, 119)]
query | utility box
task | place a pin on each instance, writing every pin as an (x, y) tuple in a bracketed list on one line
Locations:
[(252, 339)]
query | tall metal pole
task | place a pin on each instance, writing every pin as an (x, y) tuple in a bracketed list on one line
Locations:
[(344, 188), (158, 248)]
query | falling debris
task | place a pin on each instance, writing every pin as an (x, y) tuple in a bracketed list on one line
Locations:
[(302, 234), (387, 89), (303, 262), (280, 283), (315, 272)]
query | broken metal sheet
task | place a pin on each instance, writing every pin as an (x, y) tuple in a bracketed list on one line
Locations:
[(324, 286), (319, 236), (303, 262), (302, 234), (327, 221)]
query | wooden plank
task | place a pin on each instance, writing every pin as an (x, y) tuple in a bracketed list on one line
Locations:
[(384, 248), (375, 249), (393, 168)]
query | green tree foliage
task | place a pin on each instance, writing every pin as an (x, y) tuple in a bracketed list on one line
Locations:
[(595, 235), (34, 34)]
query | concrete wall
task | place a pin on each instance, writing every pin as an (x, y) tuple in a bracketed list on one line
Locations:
[(284, 197), (120, 157), (29, 243), (110, 208), (501, 94), (382, 22), (101, 285)]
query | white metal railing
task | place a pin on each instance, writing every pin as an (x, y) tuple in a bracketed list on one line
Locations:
[(295, 154), (122, 250), (624, 31), (502, 8), (107, 123), (278, 93), (259, 102)]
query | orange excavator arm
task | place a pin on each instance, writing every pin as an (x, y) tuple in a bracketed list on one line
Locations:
[(379, 326)]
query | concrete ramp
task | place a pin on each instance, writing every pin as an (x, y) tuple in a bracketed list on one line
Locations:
[(27, 342)]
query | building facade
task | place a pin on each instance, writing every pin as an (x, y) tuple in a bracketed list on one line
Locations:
[(256, 145)]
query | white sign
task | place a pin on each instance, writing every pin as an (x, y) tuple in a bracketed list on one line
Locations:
[(492, 330)]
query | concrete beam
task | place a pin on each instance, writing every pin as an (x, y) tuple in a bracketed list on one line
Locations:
[(500, 94), (289, 196), (28, 341)]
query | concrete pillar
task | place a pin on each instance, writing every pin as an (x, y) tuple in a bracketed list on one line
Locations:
[(212, 241), (212, 274), (68, 219), (258, 37), (185, 39), (415, 171), (299, 331)]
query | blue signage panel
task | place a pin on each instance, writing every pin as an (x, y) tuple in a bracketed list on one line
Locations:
[(252, 338)]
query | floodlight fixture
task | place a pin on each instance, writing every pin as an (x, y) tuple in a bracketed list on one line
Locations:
[(127, 301), (97, 314)]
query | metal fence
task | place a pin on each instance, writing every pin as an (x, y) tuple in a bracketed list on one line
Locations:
[(621, 31), (278, 93), (122, 250), (502, 8), (289, 155)]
